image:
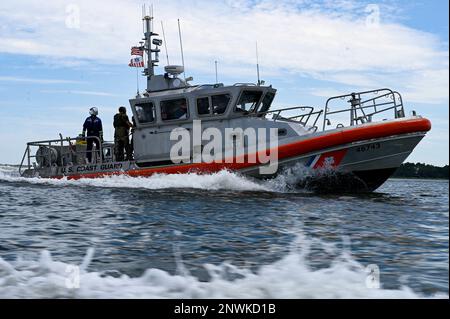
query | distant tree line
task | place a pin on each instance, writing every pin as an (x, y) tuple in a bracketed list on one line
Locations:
[(419, 170)]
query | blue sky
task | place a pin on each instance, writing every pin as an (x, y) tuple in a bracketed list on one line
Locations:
[(54, 66)]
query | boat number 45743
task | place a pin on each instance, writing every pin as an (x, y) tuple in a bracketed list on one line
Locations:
[(369, 147)]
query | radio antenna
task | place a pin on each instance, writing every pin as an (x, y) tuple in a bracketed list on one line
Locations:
[(182, 55), (165, 43), (257, 64), (143, 15), (215, 62), (152, 16)]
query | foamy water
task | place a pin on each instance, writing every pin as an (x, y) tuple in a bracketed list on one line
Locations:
[(223, 180), (290, 275)]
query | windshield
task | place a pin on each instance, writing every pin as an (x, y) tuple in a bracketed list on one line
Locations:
[(248, 101), (266, 102), (218, 104)]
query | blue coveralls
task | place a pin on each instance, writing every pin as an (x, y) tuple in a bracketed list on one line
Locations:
[(93, 127)]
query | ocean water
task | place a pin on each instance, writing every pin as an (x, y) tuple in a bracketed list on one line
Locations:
[(220, 236)]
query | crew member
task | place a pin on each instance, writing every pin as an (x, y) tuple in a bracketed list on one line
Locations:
[(122, 127), (181, 111), (133, 121), (94, 129)]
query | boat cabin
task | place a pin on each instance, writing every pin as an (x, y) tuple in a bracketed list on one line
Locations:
[(157, 114), (204, 102)]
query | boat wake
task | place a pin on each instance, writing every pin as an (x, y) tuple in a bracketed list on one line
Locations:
[(289, 277), (223, 180)]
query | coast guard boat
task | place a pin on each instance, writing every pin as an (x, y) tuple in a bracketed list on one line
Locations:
[(354, 143)]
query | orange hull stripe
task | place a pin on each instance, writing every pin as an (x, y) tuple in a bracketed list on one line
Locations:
[(345, 136)]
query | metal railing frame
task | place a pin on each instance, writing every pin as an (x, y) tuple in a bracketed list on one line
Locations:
[(302, 119), (372, 103), (49, 143)]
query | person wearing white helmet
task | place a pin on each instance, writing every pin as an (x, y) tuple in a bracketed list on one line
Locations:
[(94, 129)]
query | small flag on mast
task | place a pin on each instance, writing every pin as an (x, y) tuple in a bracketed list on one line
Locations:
[(136, 62), (137, 51)]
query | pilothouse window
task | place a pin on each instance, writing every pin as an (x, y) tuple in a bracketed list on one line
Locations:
[(220, 103), (145, 112), (248, 101), (266, 102), (216, 104), (174, 109), (203, 106)]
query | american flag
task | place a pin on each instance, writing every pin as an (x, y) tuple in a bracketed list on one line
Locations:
[(137, 51), (136, 62)]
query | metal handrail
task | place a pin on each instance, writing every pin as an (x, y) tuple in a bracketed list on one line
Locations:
[(212, 86), (359, 105), (63, 153), (244, 84), (27, 150), (295, 118)]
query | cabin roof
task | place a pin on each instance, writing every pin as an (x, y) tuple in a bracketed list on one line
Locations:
[(205, 89)]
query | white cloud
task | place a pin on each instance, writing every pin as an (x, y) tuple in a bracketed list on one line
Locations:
[(35, 80), (79, 92), (325, 40)]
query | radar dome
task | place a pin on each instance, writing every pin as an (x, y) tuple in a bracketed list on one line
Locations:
[(174, 69)]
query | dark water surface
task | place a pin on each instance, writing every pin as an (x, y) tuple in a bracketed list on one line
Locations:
[(153, 237)]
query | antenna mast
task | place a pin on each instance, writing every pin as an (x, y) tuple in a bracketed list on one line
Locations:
[(165, 43), (151, 14), (152, 60), (215, 62), (181, 47), (257, 64)]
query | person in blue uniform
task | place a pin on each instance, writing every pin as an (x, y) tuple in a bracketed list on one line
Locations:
[(181, 111), (93, 129)]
